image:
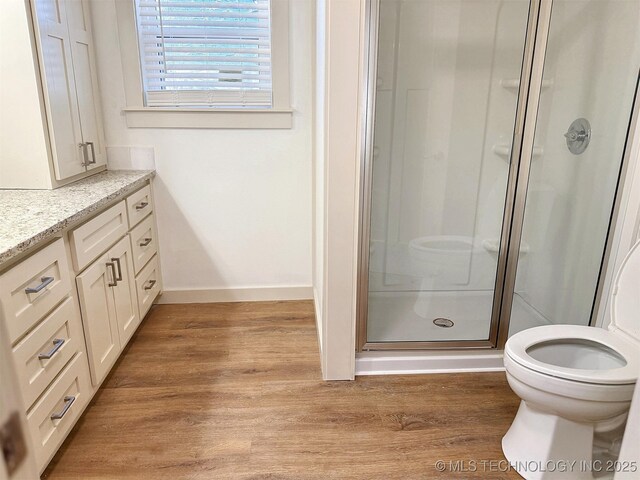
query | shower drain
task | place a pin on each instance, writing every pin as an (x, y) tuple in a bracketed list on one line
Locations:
[(443, 322)]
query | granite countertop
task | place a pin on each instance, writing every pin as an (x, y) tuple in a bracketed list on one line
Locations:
[(28, 217)]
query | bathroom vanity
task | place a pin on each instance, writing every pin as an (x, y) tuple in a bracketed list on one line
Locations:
[(79, 270)]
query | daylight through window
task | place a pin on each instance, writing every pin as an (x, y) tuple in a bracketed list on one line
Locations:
[(205, 53)]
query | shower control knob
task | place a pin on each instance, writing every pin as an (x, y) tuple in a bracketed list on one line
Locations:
[(575, 136), (578, 136)]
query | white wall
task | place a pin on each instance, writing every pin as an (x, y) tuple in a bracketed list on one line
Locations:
[(627, 223), (234, 207)]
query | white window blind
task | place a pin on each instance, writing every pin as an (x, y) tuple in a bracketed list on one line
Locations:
[(205, 53)]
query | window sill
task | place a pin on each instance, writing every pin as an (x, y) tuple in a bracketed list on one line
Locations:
[(156, 117)]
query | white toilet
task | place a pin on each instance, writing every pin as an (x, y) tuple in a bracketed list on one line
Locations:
[(446, 258), (574, 381)]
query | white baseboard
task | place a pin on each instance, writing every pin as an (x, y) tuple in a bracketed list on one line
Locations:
[(215, 295), (397, 363)]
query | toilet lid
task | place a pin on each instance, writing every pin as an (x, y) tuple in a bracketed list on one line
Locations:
[(519, 345), (625, 301)]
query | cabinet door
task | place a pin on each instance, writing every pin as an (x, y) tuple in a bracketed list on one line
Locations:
[(126, 303), (86, 79), (55, 56), (95, 291)]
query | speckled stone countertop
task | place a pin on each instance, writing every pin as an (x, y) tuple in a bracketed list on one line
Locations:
[(28, 217)]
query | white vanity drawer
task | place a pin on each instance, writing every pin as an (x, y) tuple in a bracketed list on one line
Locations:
[(41, 355), (148, 284), (93, 238), (139, 205), (143, 242), (56, 411), (33, 287)]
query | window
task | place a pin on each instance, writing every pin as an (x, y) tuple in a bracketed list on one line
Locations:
[(205, 63), (205, 53)]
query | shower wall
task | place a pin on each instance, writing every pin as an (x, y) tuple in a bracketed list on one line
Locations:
[(447, 88), (591, 69)]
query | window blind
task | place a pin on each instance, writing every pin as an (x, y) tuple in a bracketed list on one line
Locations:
[(205, 53)]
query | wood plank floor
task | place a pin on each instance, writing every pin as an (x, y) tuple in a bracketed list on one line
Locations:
[(234, 391)]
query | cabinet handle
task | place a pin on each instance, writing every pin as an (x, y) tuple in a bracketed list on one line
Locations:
[(68, 401), (45, 281), (93, 153), (145, 242), (141, 205), (150, 285), (57, 344), (112, 266), (117, 262), (83, 146)]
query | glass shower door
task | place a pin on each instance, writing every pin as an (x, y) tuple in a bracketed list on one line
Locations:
[(590, 75), (446, 95)]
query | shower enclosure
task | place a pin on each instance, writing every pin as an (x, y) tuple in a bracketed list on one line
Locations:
[(495, 144)]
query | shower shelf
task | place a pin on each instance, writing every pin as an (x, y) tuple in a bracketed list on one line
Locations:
[(505, 151), (514, 83)]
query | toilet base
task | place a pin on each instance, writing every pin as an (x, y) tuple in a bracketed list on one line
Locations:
[(543, 446)]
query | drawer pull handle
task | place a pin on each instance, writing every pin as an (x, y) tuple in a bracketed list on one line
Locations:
[(112, 266), (68, 401), (146, 242), (57, 343), (141, 205), (117, 262), (45, 281), (93, 153), (83, 146), (150, 285)]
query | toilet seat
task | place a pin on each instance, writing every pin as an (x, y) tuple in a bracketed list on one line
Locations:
[(519, 343), (564, 388)]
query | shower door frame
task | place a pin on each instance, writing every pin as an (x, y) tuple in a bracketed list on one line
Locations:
[(537, 32)]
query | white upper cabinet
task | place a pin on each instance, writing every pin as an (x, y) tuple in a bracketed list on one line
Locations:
[(60, 91), (86, 79), (52, 66)]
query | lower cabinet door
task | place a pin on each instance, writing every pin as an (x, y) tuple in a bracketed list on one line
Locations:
[(124, 293), (95, 291)]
